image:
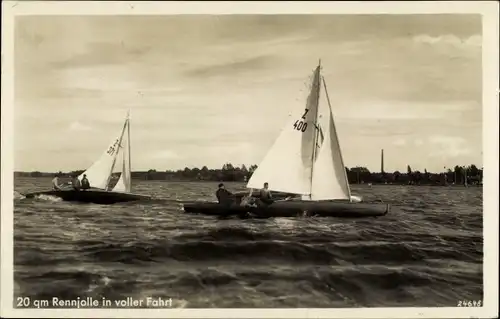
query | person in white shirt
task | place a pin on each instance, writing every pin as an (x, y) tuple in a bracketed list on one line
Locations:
[(76, 183), (55, 183), (248, 201), (265, 194)]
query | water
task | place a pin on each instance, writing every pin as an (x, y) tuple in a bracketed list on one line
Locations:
[(428, 251)]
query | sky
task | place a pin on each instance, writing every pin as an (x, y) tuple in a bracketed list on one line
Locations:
[(211, 89)]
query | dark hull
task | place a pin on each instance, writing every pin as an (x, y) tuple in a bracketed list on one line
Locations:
[(90, 196), (293, 208)]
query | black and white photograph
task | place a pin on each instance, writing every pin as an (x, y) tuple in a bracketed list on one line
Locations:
[(250, 159)]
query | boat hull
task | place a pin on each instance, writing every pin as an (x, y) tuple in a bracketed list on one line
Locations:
[(292, 208), (90, 196)]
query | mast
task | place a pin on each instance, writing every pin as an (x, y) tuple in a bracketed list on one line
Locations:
[(116, 154), (338, 144), (316, 130)]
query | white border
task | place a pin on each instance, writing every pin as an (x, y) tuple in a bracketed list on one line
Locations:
[(489, 10)]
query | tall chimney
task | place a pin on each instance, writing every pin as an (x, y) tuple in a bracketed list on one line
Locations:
[(382, 161)]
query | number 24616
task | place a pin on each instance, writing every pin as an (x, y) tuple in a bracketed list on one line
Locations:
[(469, 303)]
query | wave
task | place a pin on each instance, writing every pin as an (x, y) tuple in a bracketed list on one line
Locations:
[(239, 245), (328, 286), (41, 197)]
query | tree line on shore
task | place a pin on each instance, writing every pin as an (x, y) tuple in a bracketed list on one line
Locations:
[(470, 174)]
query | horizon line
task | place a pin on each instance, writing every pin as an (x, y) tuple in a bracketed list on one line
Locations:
[(248, 166)]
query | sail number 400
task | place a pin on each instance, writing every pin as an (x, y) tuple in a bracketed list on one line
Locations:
[(300, 125)]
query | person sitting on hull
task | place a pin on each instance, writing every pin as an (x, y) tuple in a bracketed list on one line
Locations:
[(265, 195), (248, 201), (75, 182), (224, 196), (85, 182), (55, 183)]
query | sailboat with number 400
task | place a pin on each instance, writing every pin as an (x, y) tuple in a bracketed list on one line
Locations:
[(100, 176), (305, 161)]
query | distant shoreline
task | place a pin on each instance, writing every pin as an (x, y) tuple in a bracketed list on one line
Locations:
[(227, 181), (458, 176)]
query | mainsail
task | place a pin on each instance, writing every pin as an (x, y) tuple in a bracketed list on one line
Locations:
[(287, 167), (99, 173), (306, 158)]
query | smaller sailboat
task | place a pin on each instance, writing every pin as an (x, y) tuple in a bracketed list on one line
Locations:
[(305, 161), (100, 174)]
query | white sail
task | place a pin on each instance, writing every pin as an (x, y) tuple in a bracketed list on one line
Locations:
[(329, 179), (99, 173), (287, 167), (124, 183), (308, 164)]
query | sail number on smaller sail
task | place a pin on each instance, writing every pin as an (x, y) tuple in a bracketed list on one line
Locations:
[(300, 125), (112, 148)]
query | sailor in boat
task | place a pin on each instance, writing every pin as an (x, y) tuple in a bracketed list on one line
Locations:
[(75, 182), (248, 201), (265, 195), (224, 196), (55, 183), (85, 182)]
